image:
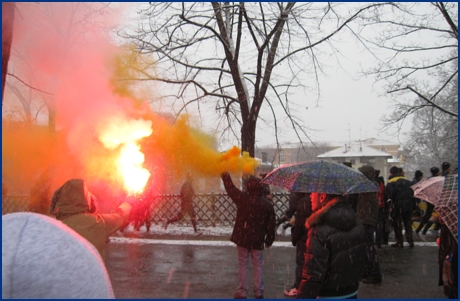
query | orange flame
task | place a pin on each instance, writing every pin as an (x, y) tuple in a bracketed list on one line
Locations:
[(123, 134)]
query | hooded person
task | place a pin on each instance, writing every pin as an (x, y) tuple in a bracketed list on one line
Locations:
[(74, 205), (44, 259), (335, 256), (254, 229)]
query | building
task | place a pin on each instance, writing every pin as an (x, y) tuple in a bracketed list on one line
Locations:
[(381, 154), (357, 155)]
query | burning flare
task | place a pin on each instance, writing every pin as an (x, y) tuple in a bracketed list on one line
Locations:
[(124, 134)]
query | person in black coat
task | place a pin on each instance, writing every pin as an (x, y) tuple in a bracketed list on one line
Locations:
[(187, 193), (299, 238), (400, 195), (335, 257), (254, 229), (294, 198)]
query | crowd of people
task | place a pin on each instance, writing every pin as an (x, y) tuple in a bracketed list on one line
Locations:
[(336, 237), (393, 207)]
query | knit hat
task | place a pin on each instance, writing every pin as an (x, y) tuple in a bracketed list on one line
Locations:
[(254, 185), (445, 166), (44, 258), (394, 170), (434, 171), (367, 170)]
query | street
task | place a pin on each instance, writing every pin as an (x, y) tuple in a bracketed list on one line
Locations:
[(185, 266)]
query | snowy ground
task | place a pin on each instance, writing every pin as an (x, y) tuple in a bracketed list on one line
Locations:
[(222, 235)]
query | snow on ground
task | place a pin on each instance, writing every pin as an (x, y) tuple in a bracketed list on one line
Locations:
[(188, 231)]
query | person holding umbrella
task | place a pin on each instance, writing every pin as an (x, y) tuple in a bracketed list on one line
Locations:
[(430, 216), (335, 256)]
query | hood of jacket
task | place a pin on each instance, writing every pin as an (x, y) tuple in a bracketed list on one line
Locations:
[(254, 186), (72, 198), (394, 179), (336, 213), (44, 259), (367, 171)]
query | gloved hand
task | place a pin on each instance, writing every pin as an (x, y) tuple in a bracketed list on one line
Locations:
[(126, 208)]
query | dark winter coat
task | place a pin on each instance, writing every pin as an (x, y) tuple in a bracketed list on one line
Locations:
[(294, 198), (187, 193), (335, 258), (303, 211), (398, 190), (367, 209), (255, 216)]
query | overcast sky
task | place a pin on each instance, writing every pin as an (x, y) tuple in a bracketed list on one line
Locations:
[(349, 107)]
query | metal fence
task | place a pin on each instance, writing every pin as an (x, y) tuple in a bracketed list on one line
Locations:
[(214, 209)]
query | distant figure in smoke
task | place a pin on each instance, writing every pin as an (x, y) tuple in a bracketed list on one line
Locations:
[(143, 215), (75, 206), (140, 214), (187, 193), (40, 193)]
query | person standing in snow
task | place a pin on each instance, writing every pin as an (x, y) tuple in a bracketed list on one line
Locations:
[(400, 196), (187, 193), (254, 229), (75, 206), (335, 256)]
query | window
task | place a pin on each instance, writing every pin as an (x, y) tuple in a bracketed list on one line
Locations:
[(282, 156)]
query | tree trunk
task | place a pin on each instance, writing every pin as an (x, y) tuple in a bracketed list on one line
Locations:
[(8, 9), (248, 137)]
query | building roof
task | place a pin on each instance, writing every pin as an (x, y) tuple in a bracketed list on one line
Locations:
[(354, 150), (369, 141)]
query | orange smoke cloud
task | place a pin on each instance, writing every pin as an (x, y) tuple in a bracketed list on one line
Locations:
[(187, 149), (101, 126)]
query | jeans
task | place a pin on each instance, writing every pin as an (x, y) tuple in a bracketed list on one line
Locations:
[(399, 220), (257, 257)]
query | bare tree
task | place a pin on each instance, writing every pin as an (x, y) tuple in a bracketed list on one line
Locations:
[(7, 38), (416, 50), (434, 135), (236, 57), (64, 25)]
